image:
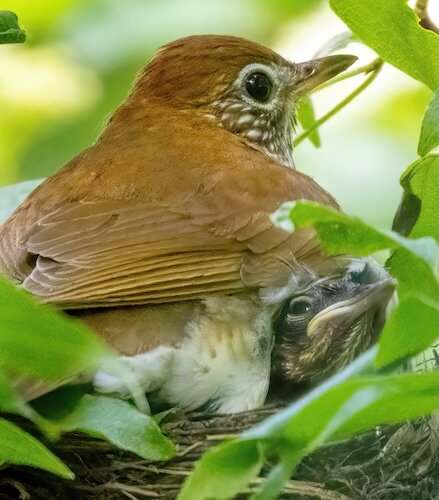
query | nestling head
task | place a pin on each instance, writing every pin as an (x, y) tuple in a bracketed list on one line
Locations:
[(328, 322), (239, 85)]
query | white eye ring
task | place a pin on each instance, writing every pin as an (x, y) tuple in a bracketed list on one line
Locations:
[(257, 68)]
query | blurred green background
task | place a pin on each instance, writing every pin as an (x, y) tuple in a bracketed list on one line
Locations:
[(82, 56)]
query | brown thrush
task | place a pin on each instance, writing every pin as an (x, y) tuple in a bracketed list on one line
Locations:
[(172, 204)]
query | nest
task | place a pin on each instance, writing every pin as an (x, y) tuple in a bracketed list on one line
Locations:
[(390, 462)]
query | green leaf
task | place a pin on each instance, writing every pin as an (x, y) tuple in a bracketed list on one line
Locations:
[(40, 343), (223, 471), (417, 212), (119, 423), (307, 118), (278, 422), (412, 327), (429, 138), (414, 276), (392, 30), (19, 448), (398, 397), (390, 398), (340, 233), (10, 31), (278, 476), (10, 401)]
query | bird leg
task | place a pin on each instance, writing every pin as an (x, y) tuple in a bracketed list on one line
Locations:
[(134, 376)]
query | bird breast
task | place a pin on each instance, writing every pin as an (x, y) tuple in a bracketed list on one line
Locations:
[(223, 363)]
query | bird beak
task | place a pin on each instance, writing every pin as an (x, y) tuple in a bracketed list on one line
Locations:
[(369, 306), (310, 74)]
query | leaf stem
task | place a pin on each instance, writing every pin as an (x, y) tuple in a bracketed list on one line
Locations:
[(340, 105)]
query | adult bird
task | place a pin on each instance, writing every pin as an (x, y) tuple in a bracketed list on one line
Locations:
[(167, 216)]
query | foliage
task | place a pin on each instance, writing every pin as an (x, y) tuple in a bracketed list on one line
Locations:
[(392, 29), (120, 423), (20, 448), (49, 347), (42, 346), (10, 31), (362, 396), (307, 118), (430, 127)]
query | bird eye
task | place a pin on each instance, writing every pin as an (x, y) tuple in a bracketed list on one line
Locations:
[(258, 86), (299, 306)]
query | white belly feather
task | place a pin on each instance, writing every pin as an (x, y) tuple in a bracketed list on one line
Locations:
[(223, 363)]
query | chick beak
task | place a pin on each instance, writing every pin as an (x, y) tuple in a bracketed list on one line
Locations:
[(310, 74), (365, 312)]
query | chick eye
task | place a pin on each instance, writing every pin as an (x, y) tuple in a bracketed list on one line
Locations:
[(299, 306), (258, 86)]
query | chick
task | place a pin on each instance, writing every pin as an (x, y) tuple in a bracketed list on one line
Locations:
[(325, 323)]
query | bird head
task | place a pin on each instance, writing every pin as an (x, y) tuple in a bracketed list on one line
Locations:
[(236, 84), (326, 323)]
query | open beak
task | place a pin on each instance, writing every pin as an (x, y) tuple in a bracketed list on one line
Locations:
[(340, 317), (312, 73)]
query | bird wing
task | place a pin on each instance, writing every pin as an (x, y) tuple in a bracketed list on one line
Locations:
[(104, 253)]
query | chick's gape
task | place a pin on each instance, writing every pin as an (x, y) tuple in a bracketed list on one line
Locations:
[(162, 228)]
